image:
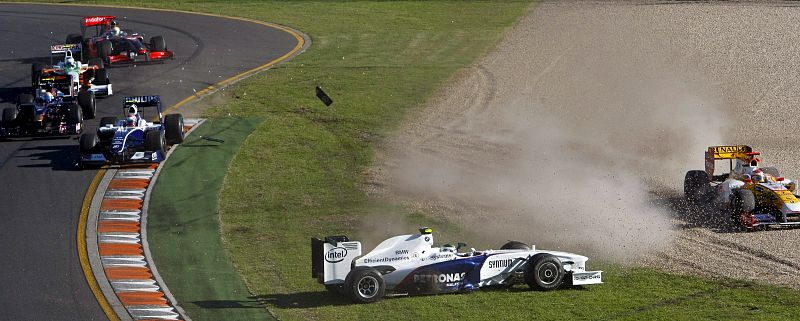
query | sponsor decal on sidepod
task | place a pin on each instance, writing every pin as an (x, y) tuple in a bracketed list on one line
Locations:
[(500, 263), (439, 278)]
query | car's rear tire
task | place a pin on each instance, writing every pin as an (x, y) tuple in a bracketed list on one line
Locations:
[(9, 116), (174, 128), (87, 101), (106, 49), (544, 272), (695, 186), (36, 74), (74, 114), (101, 77), (154, 141), (364, 285), (74, 38), (25, 99), (158, 43), (88, 142), (515, 245), (97, 62)]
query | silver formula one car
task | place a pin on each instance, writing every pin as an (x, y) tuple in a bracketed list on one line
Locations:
[(409, 264)]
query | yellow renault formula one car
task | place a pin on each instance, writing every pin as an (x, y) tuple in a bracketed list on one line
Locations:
[(754, 196)]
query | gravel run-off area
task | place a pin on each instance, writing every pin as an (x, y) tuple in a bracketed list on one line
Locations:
[(575, 133)]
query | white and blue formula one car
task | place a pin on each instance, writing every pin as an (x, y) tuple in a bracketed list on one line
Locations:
[(409, 264), (132, 139)]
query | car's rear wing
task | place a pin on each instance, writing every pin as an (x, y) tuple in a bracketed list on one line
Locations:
[(144, 101), (67, 50), (97, 20), (63, 48), (730, 152), (332, 258), (100, 23)]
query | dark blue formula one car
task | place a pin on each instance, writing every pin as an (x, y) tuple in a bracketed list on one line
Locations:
[(132, 139)]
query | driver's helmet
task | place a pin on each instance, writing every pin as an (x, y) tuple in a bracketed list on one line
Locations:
[(133, 116), (115, 31), (758, 176), (48, 97), (448, 248), (69, 61)]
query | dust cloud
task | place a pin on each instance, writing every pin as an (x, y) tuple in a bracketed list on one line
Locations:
[(567, 153)]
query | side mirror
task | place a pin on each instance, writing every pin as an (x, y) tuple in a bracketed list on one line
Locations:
[(460, 245)]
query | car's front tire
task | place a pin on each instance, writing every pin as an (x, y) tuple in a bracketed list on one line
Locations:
[(544, 272), (173, 126), (101, 77), (157, 43), (742, 201), (74, 115), (154, 141), (88, 142), (88, 103), (365, 285)]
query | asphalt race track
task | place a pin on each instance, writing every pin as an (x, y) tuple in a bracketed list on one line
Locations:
[(41, 189)]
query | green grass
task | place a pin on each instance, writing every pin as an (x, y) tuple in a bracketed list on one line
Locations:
[(183, 225), (300, 173)]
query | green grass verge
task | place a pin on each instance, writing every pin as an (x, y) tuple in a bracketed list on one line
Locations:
[(183, 226), (300, 173)]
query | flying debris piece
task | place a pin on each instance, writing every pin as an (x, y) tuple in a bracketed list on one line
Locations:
[(324, 97)]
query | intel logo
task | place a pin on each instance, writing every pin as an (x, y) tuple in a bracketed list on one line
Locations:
[(335, 255)]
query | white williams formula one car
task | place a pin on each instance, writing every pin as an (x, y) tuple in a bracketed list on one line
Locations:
[(409, 264)]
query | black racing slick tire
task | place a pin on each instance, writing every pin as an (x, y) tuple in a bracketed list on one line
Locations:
[(154, 141), (174, 128), (157, 43), (9, 116), (515, 245), (97, 62), (364, 285), (742, 201), (544, 272), (74, 114), (74, 38), (88, 142), (101, 77), (105, 49), (87, 101), (36, 74), (25, 99), (695, 186)]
